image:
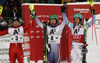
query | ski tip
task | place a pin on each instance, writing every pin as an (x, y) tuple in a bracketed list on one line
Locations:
[(31, 6)]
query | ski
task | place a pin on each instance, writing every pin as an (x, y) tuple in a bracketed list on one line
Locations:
[(45, 41), (31, 7), (91, 2), (85, 41)]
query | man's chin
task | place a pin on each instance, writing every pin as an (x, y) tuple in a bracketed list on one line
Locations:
[(53, 24), (76, 23), (16, 26)]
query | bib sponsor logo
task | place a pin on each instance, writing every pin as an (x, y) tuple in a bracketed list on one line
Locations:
[(52, 31), (16, 32), (76, 36)]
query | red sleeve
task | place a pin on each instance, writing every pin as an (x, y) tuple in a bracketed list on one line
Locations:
[(27, 26), (3, 32)]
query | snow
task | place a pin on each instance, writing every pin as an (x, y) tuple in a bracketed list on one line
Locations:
[(93, 55)]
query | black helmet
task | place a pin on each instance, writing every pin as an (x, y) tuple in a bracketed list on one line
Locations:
[(16, 18)]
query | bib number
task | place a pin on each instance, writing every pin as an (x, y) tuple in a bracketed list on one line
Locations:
[(16, 38), (54, 39)]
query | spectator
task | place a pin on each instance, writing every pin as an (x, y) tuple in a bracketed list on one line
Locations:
[(18, 4), (9, 23), (58, 1), (74, 0), (71, 1), (6, 3), (51, 1), (6, 12), (12, 4), (3, 24), (27, 1), (32, 1), (15, 11), (1, 18), (44, 1), (82, 0), (37, 1), (21, 1), (96, 0)]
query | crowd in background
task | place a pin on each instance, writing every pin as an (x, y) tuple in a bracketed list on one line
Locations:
[(12, 8)]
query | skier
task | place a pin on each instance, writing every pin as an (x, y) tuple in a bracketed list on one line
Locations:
[(16, 39), (54, 35), (77, 32)]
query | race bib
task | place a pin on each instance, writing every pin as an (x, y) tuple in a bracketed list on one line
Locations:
[(78, 38), (54, 39), (17, 39)]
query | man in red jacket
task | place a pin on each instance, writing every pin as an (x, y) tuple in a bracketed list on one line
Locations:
[(16, 39)]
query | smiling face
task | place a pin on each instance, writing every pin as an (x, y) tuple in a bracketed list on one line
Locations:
[(52, 22), (16, 23), (76, 20)]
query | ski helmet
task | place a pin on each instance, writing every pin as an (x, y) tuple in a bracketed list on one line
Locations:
[(78, 15), (53, 17), (16, 18)]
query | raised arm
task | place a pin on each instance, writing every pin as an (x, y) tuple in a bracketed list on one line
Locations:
[(38, 22), (34, 16), (90, 2), (28, 26), (93, 18), (69, 23), (65, 20), (4, 32), (90, 23)]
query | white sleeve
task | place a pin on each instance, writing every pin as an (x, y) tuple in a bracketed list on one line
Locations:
[(38, 22), (62, 25), (68, 23), (90, 23)]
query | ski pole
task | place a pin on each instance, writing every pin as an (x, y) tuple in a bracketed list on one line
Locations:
[(91, 3)]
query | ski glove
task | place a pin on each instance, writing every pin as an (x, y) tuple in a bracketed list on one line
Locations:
[(84, 51), (63, 9), (33, 14), (48, 47), (92, 10)]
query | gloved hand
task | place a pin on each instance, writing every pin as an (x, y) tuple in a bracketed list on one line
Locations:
[(44, 24), (86, 19), (63, 9), (33, 14), (92, 10), (84, 51), (48, 48)]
